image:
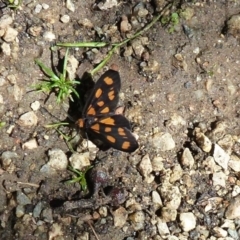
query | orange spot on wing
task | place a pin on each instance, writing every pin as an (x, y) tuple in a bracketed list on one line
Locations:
[(95, 127), (108, 129), (108, 80), (105, 110), (98, 93), (80, 123), (107, 121), (91, 111), (126, 145), (100, 104), (121, 132), (111, 95), (111, 139)]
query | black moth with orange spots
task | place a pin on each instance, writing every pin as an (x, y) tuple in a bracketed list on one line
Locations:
[(99, 118)]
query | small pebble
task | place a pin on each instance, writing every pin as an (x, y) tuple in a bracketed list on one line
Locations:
[(57, 159), (233, 210), (162, 228), (187, 221), (38, 8), (20, 210), (47, 215), (80, 160), (28, 119), (65, 19), (49, 36), (163, 141), (31, 144), (157, 164), (35, 105), (187, 158), (219, 179), (10, 34), (168, 215), (22, 199), (220, 156), (45, 6), (70, 6), (234, 163), (120, 217), (5, 21), (156, 199), (145, 168), (6, 49)]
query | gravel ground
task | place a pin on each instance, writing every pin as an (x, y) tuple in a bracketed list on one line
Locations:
[(180, 91)]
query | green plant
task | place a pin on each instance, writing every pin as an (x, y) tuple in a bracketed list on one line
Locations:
[(60, 84), (80, 177), (14, 3), (172, 21)]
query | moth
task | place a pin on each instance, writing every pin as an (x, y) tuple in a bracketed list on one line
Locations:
[(99, 119)]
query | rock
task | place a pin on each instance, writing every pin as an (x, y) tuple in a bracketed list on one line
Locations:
[(171, 196), (233, 210), (31, 144), (37, 210), (156, 200), (234, 163), (49, 36), (163, 141), (72, 67), (86, 23), (6, 49), (103, 211), (125, 26), (10, 34), (220, 156), (145, 168), (203, 141), (236, 190), (168, 215), (22, 199), (107, 4), (120, 217), (157, 164), (226, 143), (35, 105), (55, 232), (17, 93), (176, 174), (80, 160), (233, 25), (38, 8), (47, 215), (187, 158), (20, 210), (5, 21), (162, 228), (219, 179), (57, 159), (28, 119), (70, 6), (187, 221), (65, 19), (220, 233), (137, 219)]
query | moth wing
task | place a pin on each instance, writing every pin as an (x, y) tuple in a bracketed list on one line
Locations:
[(115, 131), (105, 95)]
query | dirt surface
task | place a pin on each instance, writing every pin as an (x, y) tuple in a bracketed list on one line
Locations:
[(180, 90)]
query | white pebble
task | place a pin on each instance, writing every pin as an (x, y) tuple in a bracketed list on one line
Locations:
[(80, 160), (234, 163), (219, 179), (5, 21), (28, 119), (38, 8), (220, 156), (31, 144), (49, 36), (157, 164), (57, 159), (163, 141), (187, 158), (35, 105), (120, 217), (162, 228), (187, 221), (145, 167), (45, 6), (6, 49), (10, 34), (65, 19), (70, 6)]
